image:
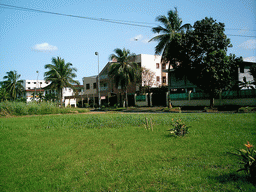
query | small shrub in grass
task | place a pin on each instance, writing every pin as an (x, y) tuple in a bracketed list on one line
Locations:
[(246, 109), (173, 109), (148, 124), (248, 157), (179, 128)]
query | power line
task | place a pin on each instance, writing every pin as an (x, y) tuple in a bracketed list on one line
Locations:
[(131, 23)]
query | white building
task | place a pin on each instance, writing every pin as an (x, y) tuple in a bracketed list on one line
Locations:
[(33, 87), (243, 71), (153, 63)]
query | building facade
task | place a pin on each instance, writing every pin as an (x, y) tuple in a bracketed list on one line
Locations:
[(108, 91), (33, 88)]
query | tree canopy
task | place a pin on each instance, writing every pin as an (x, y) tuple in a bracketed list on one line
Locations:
[(203, 58), (61, 75), (171, 29), (123, 71), (11, 85)]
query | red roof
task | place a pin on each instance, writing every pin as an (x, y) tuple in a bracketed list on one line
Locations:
[(34, 90)]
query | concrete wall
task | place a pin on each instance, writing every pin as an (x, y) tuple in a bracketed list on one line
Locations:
[(217, 102), (70, 102)]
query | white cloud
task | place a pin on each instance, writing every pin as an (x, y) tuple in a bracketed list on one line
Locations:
[(250, 59), (137, 38), (249, 44), (45, 47), (140, 38)]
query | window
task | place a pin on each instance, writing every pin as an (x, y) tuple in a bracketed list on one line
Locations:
[(41, 83), (87, 86), (164, 79), (94, 85), (34, 82), (163, 66), (157, 78), (28, 87), (157, 65), (28, 82)]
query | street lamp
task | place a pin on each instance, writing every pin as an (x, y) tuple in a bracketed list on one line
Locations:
[(96, 53), (36, 82)]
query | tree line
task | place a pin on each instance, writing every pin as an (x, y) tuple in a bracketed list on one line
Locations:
[(198, 52)]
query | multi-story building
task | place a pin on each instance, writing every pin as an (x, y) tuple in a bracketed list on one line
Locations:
[(181, 85), (107, 86), (33, 87), (243, 71), (153, 63), (90, 85)]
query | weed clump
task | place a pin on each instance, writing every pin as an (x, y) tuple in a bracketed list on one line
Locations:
[(179, 128)]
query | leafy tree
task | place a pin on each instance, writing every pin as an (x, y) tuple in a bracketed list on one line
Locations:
[(203, 58), (171, 30), (12, 84), (61, 75), (40, 96), (148, 78), (123, 71), (34, 96), (50, 97)]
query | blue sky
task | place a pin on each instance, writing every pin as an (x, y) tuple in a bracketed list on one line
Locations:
[(29, 40)]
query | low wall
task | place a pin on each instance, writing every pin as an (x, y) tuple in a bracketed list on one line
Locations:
[(70, 102), (217, 102)]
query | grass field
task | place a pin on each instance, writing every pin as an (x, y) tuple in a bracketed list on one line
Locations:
[(114, 152)]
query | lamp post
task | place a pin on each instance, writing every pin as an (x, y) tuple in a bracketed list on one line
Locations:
[(36, 83), (96, 53)]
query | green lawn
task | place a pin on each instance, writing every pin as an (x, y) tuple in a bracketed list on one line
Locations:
[(114, 152)]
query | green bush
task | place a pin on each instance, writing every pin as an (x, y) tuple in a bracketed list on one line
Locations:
[(179, 128), (248, 160), (32, 108), (246, 109)]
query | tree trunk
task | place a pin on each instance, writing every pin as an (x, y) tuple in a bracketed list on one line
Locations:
[(60, 98), (211, 102), (126, 98)]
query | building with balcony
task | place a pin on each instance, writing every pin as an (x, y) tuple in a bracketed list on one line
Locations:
[(110, 94)]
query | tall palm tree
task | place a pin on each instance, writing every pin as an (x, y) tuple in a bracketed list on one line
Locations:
[(171, 29), (12, 84), (123, 71), (61, 75)]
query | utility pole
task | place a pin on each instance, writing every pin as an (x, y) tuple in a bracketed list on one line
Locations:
[(96, 53)]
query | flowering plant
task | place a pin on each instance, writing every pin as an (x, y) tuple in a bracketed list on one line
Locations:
[(248, 158), (179, 128)]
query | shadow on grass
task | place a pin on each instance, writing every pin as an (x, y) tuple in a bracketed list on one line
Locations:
[(233, 177)]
